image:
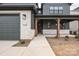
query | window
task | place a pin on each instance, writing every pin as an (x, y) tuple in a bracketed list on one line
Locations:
[(51, 9), (64, 26), (56, 10), (60, 10)]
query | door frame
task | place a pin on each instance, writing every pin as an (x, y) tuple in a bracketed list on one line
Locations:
[(40, 26)]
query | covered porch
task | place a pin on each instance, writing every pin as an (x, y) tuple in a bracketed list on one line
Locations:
[(60, 24)]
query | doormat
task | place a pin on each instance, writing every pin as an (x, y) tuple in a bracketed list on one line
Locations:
[(22, 43)]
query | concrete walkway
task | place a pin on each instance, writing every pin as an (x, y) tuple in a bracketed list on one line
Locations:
[(37, 47), (40, 47)]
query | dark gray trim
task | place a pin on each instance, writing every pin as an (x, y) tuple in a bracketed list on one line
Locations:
[(68, 17), (19, 6), (32, 20), (40, 15)]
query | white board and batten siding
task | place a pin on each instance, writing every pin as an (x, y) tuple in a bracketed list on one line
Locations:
[(52, 33)]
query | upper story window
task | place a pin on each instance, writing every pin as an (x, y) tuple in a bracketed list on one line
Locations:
[(56, 10), (60, 10), (51, 9)]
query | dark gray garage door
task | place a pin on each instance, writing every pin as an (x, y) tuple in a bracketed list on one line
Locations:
[(9, 27)]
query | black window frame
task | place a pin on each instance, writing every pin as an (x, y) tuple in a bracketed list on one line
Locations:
[(51, 10), (60, 9), (56, 11)]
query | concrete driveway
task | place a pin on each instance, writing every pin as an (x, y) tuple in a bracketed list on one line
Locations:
[(38, 47)]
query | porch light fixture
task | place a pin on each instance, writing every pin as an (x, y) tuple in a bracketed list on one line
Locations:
[(49, 25), (24, 16)]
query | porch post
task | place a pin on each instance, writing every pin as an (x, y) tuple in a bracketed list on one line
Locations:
[(78, 26), (36, 29), (58, 27)]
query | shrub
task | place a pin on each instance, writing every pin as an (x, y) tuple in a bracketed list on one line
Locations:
[(66, 38), (22, 41), (77, 37)]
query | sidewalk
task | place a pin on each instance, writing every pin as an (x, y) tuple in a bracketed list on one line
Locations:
[(40, 47), (37, 47)]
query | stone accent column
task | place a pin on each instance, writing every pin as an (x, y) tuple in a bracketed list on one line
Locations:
[(58, 27)]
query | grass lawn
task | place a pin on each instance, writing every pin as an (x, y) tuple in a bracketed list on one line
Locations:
[(62, 47)]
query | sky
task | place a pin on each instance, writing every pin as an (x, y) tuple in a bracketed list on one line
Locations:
[(73, 6)]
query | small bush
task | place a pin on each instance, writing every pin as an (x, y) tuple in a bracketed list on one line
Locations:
[(77, 37), (66, 38), (22, 42)]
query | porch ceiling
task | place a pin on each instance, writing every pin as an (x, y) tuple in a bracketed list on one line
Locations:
[(65, 21), (63, 17), (62, 20)]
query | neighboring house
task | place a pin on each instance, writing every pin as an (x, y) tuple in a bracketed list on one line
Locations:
[(74, 27), (26, 20)]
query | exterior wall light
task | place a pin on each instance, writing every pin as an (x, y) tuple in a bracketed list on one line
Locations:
[(49, 25), (24, 19), (24, 16)]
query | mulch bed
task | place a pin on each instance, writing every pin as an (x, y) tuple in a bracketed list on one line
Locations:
[(64, 48), (23, 43)]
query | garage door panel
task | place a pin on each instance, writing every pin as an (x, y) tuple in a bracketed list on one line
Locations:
[(9, 27)]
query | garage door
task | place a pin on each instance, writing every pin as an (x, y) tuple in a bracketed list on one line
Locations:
[(9, 27)]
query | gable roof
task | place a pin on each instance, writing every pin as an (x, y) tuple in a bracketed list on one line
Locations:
[(76, 9), (18, 6)]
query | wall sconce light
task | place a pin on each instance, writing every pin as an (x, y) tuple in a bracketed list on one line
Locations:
[(24, 16), (48, 24)]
